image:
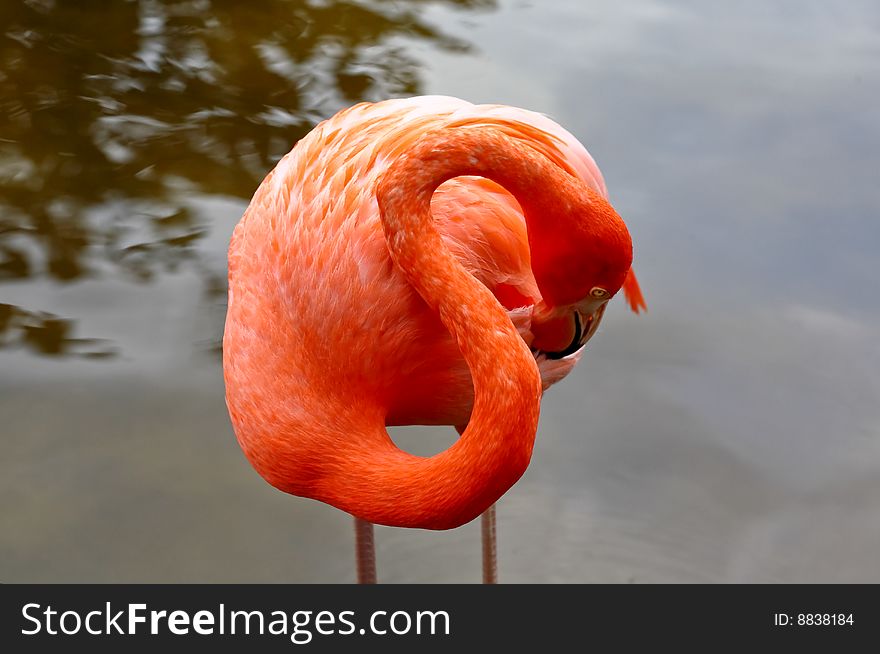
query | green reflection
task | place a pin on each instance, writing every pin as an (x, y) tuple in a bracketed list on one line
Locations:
[(111, 107)]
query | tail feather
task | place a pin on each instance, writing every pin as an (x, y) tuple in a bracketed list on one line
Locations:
[(633, 293)]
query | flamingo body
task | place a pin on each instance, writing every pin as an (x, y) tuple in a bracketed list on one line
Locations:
[(327, 341)]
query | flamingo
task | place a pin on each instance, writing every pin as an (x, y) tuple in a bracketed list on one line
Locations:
[(415, 261)]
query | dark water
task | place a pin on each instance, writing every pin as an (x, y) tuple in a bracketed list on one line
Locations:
[(732, 434)]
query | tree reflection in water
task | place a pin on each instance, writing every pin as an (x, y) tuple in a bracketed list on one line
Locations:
[(111, 107), (47, 334)]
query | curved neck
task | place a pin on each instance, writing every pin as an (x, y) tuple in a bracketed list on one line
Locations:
[(453, 487)]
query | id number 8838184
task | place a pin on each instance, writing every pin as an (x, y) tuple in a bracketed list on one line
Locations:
[(813, 619)]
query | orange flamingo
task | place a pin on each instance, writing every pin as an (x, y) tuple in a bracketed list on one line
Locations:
[(417, 261)]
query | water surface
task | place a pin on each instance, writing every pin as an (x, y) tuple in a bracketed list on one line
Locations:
[(731, 434)]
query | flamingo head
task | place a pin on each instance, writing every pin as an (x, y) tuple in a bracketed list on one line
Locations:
[(580, 259)]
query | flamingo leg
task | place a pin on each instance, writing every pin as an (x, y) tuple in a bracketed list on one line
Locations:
[(490, 550), (488, 536), (365, 551)]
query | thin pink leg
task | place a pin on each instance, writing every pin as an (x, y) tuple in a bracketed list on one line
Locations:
[(490, 556), (365, 551), (487, 530)]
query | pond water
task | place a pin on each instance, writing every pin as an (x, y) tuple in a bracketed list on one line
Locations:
[(731, 434)]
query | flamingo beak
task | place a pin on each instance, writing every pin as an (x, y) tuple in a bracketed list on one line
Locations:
[(560, 336), (592, 322)]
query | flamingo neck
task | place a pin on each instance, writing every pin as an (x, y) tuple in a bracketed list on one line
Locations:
[(455, 486)]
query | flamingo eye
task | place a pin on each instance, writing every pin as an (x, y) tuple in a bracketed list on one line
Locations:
[(598, 293)]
